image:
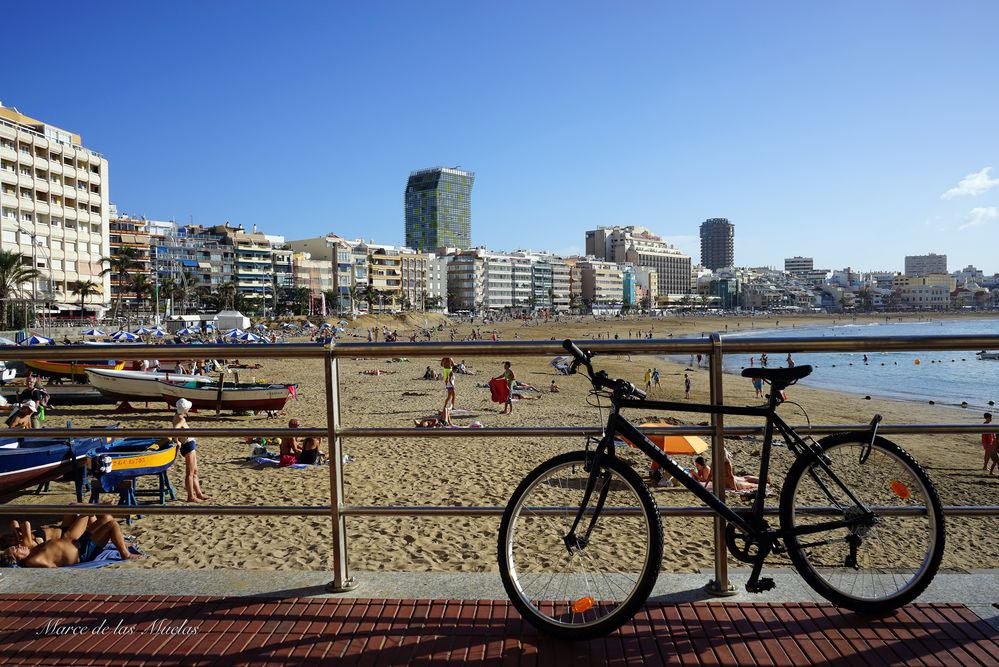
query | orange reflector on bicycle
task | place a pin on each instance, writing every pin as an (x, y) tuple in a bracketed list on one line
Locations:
[(900, 489), (583, 604)]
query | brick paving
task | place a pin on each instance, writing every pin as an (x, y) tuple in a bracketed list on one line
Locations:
[(46, 629)]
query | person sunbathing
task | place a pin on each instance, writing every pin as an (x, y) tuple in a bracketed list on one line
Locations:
[(442, 420), (26, 535), (310, 453), (290, 447), (81, 543)]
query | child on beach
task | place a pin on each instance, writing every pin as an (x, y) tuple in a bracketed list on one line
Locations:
[(991, 447), (686, 386), (187, 449)]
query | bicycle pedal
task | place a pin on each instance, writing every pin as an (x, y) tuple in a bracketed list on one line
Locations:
[(762, 585)]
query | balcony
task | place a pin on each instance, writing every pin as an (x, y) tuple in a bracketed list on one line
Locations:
[(55, 167), (41, 163), (8, 153), (68, 171), (25, 159), (25, 181), (42, 207)]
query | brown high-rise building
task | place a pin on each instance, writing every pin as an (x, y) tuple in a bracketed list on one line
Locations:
[(717, 243)]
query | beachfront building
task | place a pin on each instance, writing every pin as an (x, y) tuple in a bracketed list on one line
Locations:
[(466, 282), (438, 208), (931, 292), (602, 285), (640, 247), (54, 209), (125, 231), (798, 265), (717, 243), (925, 265), (437, 268), (314, 275)]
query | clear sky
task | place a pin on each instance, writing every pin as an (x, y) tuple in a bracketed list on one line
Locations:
[(852, 132)]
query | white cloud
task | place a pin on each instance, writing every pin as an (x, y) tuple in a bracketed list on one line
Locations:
[(972, 184), (979, 216)]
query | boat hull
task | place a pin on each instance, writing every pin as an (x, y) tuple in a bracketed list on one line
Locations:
[(125, 385), (274, 397), (132, 457), (70, 369), (35, 460)]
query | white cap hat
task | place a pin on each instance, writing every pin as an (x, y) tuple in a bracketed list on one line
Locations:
[(30, 405), (183, 405)]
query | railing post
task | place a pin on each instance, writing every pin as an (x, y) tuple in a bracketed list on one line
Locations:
[(342, 581), (720, 585)]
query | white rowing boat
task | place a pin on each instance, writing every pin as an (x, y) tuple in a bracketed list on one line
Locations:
[(137, 385)]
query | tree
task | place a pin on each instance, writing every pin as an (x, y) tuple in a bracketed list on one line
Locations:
[(143, 288), (84, 289), (370, 295), (646, 302), (120, 266), (13, 274), (357, 294)]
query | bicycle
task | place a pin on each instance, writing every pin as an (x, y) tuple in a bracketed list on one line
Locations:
[(581, 540)]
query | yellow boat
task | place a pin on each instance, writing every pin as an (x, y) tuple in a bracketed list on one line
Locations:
[(75, 370), (129, 458)]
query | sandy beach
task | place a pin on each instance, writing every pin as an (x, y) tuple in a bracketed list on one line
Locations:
[(446, 471)]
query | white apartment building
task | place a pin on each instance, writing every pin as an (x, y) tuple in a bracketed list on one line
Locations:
[(54, 207), (466, 282), (798, 265), (924, 265), (640, 247)]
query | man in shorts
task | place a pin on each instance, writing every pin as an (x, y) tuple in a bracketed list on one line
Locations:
[(80, 543)]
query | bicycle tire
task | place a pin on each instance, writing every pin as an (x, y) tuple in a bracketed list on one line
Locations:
[(524, 532), (895, 572)]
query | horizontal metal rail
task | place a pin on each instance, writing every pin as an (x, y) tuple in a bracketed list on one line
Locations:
[(667, 346), (492, 432), (702, 512)]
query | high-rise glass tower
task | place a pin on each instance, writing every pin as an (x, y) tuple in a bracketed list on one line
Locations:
[(438, 209), (717, 243)]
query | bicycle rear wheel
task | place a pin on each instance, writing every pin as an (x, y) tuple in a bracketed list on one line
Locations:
[(872, 568), (591, 589)]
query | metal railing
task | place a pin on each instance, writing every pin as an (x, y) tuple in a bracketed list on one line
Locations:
[(714, 348)]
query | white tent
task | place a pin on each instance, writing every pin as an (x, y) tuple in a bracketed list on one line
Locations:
[(232, 319)]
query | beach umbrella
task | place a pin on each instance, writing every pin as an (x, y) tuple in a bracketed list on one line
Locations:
[(289, 325), (124, 335), (92, 332), (231, 333), (158, 333), (343, 322), (310, 325), (679, 445), (188, 331), (6, 341), (35, 339), (326, 325), (339, 330), (261, 327), (142, 331), (248, 337)]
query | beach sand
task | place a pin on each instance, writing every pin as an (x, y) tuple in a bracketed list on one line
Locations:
[(483, 472)]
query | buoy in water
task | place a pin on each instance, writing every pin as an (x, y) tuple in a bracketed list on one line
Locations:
[(917, 362), (992, 402), (964, 404), (932, 402), (867, 398)]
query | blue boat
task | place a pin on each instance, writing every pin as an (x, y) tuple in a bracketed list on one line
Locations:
[(27, 461)]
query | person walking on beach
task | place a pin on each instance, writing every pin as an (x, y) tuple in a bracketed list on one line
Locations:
[(991, 448), (655, 378), (511, 379), (648, 380), (686, 386), (758, 386), (448, 365), (187, 449)]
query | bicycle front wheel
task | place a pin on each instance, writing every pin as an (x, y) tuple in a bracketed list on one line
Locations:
[(572, 589), (874, 566)]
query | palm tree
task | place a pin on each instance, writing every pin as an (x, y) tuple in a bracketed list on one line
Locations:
[(143, 289), (13, 274), (83, 289), (120, 265), (357, 293)]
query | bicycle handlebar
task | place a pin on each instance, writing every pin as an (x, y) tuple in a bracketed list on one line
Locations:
[(600, 379)]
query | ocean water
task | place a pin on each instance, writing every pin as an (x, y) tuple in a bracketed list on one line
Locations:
[(947, 378)]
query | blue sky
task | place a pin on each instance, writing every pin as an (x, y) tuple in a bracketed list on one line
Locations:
[(832, 130)]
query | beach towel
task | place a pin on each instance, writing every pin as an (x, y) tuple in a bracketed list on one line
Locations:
[(500, 390), (109, 556), (273, 462)]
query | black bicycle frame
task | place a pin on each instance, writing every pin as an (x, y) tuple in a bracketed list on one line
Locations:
[(618, 425)]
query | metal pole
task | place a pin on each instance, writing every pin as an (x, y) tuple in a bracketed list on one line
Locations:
[(720, 585), (342, 581)]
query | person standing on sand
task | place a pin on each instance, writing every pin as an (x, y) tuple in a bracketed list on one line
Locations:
[(758, 386), (655, 378), (187, 450), (511, 379), (686, 386), (648, 380), (990, 447), (448, 365)]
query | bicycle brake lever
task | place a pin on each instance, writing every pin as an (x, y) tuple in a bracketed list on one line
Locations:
[(866, 451)]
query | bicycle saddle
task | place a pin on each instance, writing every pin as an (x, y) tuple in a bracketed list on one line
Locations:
[(778, 376)]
